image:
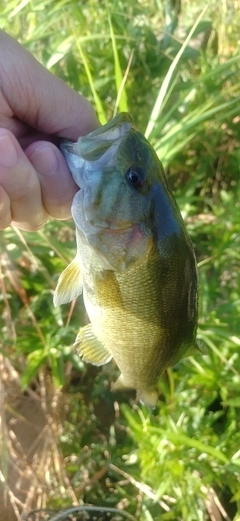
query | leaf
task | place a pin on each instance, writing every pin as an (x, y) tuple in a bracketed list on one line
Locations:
[(57, 367), (34, 360), (166, 82), (98, 103), (177, 438), (122, 102), (232, 402)]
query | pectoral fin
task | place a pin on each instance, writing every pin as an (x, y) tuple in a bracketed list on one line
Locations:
[(90, 348), (69, 284)]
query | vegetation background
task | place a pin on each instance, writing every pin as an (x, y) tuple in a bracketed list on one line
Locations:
[(65, 438)]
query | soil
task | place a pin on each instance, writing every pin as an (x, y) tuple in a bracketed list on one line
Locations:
[(22, 441)]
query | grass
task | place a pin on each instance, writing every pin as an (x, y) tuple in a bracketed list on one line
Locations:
[(85, 444)]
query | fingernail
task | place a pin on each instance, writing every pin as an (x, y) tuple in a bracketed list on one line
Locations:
[(8, 152), (44, 160)]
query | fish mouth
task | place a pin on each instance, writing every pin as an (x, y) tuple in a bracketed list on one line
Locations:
[(114, 228), (108, 225), (94, 145)]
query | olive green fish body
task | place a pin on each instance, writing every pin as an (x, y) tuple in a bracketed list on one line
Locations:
[(135, 262)]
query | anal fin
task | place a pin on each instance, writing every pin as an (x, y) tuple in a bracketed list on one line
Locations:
[(121, 384), (90, 348), (195, 349), (148, 397)]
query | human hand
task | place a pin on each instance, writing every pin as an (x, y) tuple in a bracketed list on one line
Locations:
[(36, 109)]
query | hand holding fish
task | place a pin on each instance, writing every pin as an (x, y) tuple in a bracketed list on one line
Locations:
[(36, 109)]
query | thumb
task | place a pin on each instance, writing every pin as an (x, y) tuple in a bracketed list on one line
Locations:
[(38, 98)]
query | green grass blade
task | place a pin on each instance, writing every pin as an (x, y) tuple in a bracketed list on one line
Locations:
[(168, 145), (61, 50), (121, 102), (177, 438), (18, 8), (166, 82), (99, 107), (122, 86)]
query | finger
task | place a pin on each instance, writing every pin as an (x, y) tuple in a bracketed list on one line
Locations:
[(57, 185), (19, 180), (38, 98), (5, 210)]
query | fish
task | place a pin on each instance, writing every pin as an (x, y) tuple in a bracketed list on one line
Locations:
[(135, 262)]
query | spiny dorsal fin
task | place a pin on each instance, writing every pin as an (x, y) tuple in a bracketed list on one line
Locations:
[(69, 284), (90, 348)]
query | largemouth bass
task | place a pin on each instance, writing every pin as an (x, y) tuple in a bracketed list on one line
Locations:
[(135, 261)]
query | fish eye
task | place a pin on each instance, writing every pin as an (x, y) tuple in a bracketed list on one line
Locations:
[(135, 177)]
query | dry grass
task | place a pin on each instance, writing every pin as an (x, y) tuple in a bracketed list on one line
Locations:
[(31, 461)]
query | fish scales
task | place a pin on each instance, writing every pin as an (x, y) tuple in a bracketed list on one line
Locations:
[(135, 262)]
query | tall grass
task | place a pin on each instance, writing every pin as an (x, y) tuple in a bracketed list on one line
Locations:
[(181, 461)]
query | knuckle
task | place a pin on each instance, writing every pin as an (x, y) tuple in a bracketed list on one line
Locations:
[(31, 225)]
